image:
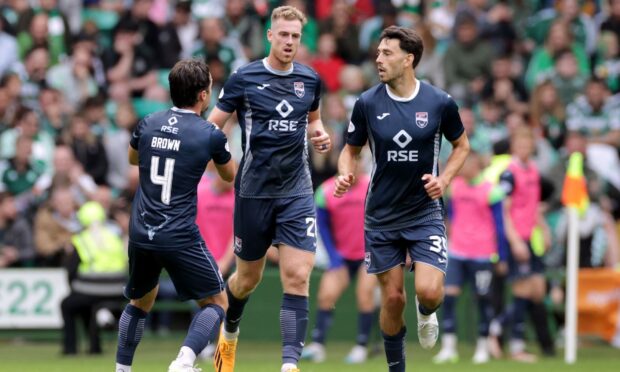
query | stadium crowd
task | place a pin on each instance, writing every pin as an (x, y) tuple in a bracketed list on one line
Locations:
[(77, 76)]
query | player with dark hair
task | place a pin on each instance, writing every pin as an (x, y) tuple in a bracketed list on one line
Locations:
[(403, 120), (277, 105), (172, 149)]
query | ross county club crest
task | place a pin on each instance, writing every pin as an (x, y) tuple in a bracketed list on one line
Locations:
[(421, 119), (299, 88), (367, 259)]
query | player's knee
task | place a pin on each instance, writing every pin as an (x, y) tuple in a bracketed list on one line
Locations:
[(365, 300), (296, 282), (143, 305), (430, 295), (248, 282), (326, 300), (219, 299), (394, 300)]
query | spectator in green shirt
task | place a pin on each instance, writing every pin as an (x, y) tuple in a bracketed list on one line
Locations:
[(569, 11), (39, 34), (560, 37), (467, 61), (596, 115), (19, 174), (214, 44)]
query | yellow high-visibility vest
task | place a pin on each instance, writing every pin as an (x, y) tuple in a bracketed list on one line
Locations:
[(100, 251)]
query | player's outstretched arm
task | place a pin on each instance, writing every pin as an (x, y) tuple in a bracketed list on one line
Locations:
[(436, 186), (132, 155), (227, 171), (347, 164), (219, 117), (319, 137), (518, 246)]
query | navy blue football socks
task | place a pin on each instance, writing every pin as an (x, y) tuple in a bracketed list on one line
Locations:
[(323, 322), (395, 350), (293, 326), (364, 324), (518, 325), (449, 316), (205, 327), (234, 312), (130, 329)]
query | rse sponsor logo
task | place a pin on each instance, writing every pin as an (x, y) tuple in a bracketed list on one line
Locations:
[(170, 128), (283, 125), (402, 155), (402, 139), (167, 129), (284, 109), (238, 244)]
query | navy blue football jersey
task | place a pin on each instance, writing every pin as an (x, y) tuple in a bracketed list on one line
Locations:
[(272, 108), (174, 147), (404, 135)]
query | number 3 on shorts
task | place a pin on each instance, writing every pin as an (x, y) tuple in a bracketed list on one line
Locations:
[(311, 222), (440, 245)]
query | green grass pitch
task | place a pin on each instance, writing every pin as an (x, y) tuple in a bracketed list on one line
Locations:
[(154, 354)]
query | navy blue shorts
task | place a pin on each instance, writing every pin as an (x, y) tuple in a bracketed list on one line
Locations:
[(477, 273), (352, 266), (193, 272), (521, 270), (260, 223), (424, 243)]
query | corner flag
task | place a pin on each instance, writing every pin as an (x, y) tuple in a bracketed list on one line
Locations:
[(575, 191), (575, 199)]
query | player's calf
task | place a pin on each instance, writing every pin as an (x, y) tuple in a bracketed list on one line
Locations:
[(130, 330), (204, 328), (293, 326)]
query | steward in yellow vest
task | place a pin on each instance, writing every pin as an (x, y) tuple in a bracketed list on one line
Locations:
[(97, 273)]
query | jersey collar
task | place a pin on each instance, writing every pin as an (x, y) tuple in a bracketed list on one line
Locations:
[(182, 111), (277, 72), (404, 99)]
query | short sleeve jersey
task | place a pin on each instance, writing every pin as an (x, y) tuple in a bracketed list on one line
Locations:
[(272, 109), (174, 147), (404, 135)]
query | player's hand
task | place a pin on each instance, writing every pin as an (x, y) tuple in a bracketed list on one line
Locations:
[(321, 142), (501, 268), (520, 251), (435, 186), (343, 183)]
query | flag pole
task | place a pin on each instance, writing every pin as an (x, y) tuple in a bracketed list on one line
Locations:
[(572, 269)]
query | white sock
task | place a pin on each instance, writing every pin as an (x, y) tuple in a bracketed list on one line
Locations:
[(287, 366), (122, 368), (449, 341), (186, 356), (423, 318), (230, 336), (517, 346), (495, 328)]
